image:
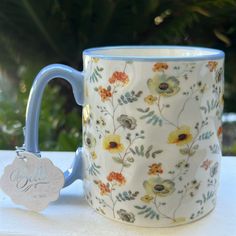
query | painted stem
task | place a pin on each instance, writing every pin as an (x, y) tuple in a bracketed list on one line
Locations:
[(101, 201), (117, 128), (125, 66), (113, 115), (126, 152), (179, 204), (183, 107), (161, 114), (184, 71), (189, 151), (113, 205), (114, 108), (179, 174), (108, 113), (159, 211)]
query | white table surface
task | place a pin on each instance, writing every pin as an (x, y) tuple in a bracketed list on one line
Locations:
[(70, 215)]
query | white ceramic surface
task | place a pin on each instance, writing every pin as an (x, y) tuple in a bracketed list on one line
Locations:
[(152, 136)]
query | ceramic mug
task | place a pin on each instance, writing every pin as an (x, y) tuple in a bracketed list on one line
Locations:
[(151, 131)]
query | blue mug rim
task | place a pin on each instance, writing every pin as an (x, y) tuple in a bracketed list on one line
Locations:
[(215, 53)]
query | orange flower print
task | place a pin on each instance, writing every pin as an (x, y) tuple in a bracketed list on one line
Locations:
[(117, 177), (119, 76), (206, 164), (219, 131), (155, 169), (104, 189), (212, 65), (160, 66), (104, 93)]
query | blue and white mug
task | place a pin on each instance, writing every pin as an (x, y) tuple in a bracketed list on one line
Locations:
[(151, 130)]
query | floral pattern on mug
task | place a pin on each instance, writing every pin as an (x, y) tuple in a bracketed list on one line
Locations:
[(149, 160)]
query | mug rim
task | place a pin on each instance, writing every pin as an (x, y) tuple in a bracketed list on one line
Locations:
[(215, 53)]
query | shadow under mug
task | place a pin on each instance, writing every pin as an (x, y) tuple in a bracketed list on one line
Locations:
[(151, 130)]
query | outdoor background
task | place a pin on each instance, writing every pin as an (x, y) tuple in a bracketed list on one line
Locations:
[(36, 33)]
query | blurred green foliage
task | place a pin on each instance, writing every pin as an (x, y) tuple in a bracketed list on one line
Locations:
[(36, 33), (229, 144)]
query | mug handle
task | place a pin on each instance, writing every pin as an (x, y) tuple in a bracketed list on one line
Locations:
[(76, 79)]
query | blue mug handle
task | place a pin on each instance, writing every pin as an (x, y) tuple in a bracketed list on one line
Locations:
[(76, 79)]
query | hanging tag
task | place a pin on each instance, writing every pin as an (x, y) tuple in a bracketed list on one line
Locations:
[(32, 181)]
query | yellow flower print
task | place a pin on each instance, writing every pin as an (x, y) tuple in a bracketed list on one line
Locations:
[(146, 198), (112, 143), (156, 186), (95, 59), (163, 85), (150, 100), (180, 136), (221, 101), (94, 155), (86, 114)]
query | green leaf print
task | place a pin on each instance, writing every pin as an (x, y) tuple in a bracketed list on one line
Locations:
[(150, 116), (210, 106), (215, 149), (129, 97), (93, 169), (140, 151), (96, 74), (206, 135), (206, 197), (147, 211), (187, 151), (126, 196), (121, 161)]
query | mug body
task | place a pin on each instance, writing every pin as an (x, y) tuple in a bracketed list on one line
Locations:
[(152, 132)]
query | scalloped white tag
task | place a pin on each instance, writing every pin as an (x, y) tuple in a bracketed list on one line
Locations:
[(32, 181)]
